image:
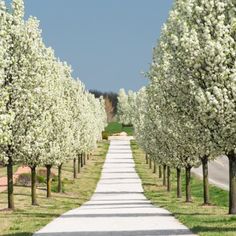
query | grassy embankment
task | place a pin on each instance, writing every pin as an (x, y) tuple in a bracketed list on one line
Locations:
[(115, 127), (27, 219), (203, 220)]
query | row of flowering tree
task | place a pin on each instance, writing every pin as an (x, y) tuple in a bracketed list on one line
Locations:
[(46, 117), (187, 113)]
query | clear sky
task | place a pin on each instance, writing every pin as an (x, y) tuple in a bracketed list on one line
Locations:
[(107, 42)]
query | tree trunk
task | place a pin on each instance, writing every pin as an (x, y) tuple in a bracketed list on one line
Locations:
[(79, 163), (179, 183), (146, 157), (84, 159), (33, 186), (232, 183), (205, 180), (10, 188), (87, 156), (74, 168), (150, 163), (168, 179), (49, 193), (154, 167), (81, 160), (188, 184), (59, 186), (160, 171), (164, 175)]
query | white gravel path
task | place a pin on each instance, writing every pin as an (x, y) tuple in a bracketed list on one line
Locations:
[(118, 206)]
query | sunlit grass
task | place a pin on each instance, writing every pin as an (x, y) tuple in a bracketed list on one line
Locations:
[(115, 127), (203, 220), (27, 219)]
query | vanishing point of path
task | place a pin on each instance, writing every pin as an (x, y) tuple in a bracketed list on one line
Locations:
[(118, 206)]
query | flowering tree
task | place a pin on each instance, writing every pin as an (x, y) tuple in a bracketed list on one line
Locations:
[(123, 108), (5, 118), (46, 117), (212, 73), (204, 52), (31, 123), (191, 103), (13, 85)]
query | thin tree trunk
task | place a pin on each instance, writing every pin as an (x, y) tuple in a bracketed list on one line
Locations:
[(79, 164), (146, 157), (164, 175), (154, 167), (33, 186), (205, 180), (59, 186), (232, 183), (168, 179), (160, 171), (84, 159), (87, 156), (49, 193), (150, 163), (179, 183), (10, 188), (81, 160), (188, 184), (74, 169)]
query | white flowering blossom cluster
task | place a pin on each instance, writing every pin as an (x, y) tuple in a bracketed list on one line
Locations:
[(125, 107), (187, 113), (46, 117)]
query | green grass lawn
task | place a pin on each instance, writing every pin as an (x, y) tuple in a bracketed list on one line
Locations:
[(203, 220), (27, 219), (115, 127)]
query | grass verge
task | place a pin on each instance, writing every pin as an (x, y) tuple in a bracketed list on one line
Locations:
[(27, 219), (203, 220), (115, 127)]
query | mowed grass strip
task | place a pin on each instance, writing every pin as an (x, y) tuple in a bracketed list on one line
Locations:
[(203, 220), (27, 219), (115, 127)]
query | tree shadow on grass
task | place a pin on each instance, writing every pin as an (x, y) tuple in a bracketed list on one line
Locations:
[(66, 196), (19, 234), (193, 214), (204, 229), (150, 184), (23, 194), (34, 215)]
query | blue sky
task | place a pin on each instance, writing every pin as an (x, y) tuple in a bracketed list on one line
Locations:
[(107, 42)]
